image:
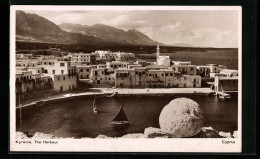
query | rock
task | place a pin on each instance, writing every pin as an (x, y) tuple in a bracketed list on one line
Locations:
[(235, 134), (155, 132), (207, 132), (21, 135), (39, 135), (136, 135), (103, 137), (225, 134), (182, 117)]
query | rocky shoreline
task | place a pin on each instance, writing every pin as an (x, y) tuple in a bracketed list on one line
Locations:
[(151, 132)]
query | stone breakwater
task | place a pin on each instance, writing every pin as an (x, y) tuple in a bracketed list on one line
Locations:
[(151, 132)]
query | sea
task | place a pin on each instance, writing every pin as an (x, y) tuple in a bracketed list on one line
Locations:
[(75, 118)]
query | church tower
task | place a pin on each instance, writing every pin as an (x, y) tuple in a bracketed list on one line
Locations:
[(157, 53)]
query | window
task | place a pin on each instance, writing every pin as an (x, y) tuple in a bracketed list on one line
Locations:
[(81, 70), (191, 68), (58, 78), (166, 74), (87, 70), (194, 80), (162, 74), (62, 71), (46, 71), (53, 71), (62, 64), (64, 78), (171, 74)]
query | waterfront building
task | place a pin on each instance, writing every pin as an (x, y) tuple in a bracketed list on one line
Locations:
[(64, 82), (229, 73), (203, 71), (64, 76), (214, 68), (24, 81), (160, 78), (185, 69), (83, 71), (139, 79), (124, 78), (226, 83), (190, 81), (102, 76)]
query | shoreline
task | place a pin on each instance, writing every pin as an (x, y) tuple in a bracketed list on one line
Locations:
[(121, 92)]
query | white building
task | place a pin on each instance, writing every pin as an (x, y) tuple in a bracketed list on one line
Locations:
[(162, 60), (229, 73)]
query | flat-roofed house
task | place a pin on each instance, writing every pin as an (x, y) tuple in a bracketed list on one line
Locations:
[(124, 78), (229, 73), (226, 83), (215, 68), (181, 62), (203, 71), (102, 76), (185, 69), (83, 71)]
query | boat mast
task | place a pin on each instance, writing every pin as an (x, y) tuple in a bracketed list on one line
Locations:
[(20, 108)]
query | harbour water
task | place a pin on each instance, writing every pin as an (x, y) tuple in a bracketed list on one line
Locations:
[(75, 118)]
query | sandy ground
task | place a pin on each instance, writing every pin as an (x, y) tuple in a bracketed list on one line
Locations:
[(124, 91)]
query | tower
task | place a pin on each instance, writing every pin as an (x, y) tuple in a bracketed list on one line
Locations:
[(157, 53)]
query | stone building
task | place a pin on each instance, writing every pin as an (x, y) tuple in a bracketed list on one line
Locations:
[(185, 69), (83, 71), (102, 76), (226, 83)]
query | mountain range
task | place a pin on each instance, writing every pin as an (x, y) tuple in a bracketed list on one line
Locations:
[(34, 28)]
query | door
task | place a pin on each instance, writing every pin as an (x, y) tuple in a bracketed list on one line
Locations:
[(61, 89)]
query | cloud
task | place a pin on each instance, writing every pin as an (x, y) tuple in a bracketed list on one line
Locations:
[(198, 28)]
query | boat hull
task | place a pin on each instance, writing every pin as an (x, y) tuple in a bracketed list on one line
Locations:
[(119, 123)]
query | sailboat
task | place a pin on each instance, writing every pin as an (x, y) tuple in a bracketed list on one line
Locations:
[(94, 107), (120, 118), (223, 95)]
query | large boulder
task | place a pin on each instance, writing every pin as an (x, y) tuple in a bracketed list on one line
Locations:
[(182, 117)]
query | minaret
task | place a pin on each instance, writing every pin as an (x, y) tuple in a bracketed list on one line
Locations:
[(157, 53)]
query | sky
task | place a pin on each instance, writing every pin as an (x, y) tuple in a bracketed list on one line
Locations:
[(199, 28)]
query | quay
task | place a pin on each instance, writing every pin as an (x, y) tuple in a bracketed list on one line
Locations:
[(121, 91)]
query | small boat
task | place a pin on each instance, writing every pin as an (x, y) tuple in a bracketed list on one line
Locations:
[(120, 118), (223, 95), (111, 94), (95, 111)]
